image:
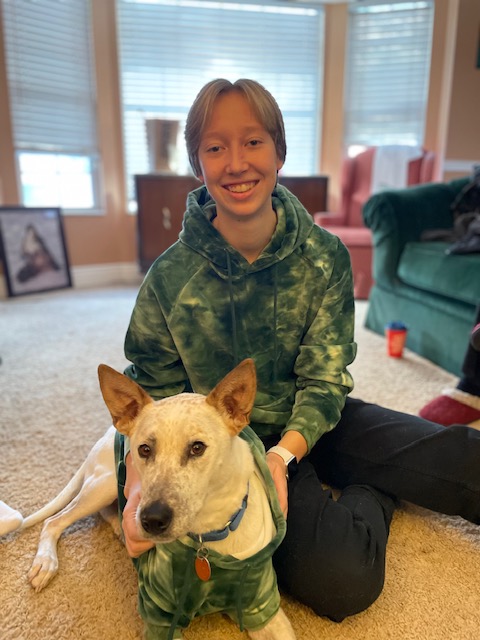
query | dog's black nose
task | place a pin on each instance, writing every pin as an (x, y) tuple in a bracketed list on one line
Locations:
[(156, 518)]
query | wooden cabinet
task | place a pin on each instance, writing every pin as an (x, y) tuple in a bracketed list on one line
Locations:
[(161, 200), (310, 190)]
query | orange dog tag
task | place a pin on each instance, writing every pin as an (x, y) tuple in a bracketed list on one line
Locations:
[(202, 568)]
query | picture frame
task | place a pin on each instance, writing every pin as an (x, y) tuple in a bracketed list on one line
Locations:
[(33, 250)]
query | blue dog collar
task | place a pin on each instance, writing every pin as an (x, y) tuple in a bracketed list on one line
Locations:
[(221, 534)]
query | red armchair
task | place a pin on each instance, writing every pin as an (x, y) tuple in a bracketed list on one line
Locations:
[(356, 189)]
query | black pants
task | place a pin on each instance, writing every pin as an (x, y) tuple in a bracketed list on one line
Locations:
[(333, 556)]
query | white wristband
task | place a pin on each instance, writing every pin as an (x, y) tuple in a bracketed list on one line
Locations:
[(286, 455)]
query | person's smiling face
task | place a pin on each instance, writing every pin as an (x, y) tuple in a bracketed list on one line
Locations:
[(238, 159)]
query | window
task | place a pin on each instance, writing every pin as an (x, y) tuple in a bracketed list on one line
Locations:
[(388, 72), (170, 48), (52, 96)]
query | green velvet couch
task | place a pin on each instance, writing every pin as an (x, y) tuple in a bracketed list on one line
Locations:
[(416, 282)]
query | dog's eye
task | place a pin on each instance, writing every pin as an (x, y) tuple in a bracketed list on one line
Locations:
[(197, 448), (144, 451)]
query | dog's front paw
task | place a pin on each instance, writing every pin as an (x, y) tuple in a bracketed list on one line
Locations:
[(278, 628), (43, 569), (10, 520)]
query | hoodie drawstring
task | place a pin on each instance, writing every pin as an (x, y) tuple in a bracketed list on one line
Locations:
[(275, 316), (234, 318), (232, 310)]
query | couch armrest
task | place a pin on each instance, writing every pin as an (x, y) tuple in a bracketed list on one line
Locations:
[(327, 219), (400, 216)]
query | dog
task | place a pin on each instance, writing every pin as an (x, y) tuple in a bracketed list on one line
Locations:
[(208, 503)]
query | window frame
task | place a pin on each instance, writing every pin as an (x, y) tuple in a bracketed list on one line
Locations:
[(355, 134), (22, 108), (313, 9)]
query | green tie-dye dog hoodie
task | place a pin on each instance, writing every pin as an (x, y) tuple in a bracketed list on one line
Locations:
[(170, 594)]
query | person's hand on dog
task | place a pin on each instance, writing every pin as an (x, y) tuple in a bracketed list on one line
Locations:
[(134, 542), (295, 443), (277, 469)]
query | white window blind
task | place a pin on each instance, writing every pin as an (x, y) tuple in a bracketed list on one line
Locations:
[(388, 72), (170, 48), (52, 94)]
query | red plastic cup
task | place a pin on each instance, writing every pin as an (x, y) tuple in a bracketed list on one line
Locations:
[(396, 334)]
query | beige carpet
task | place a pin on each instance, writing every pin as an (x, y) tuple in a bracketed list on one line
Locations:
[(51, 413)]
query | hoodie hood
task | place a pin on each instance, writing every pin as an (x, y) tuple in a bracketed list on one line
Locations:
[(293, 227)]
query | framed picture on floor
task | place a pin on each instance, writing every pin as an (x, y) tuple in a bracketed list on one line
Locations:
[(32, 250)]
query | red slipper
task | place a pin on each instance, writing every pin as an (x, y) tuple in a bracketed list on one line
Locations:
[(448, 410)]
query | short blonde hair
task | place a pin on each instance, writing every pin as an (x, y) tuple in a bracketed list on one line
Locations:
[(262, 102)]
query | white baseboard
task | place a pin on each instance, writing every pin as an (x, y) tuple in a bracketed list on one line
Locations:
[(104, 275), (97, 275)]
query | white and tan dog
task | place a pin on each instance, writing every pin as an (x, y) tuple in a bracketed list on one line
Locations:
[(195, 470)]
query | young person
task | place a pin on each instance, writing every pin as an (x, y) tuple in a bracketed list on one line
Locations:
[(253, 276)]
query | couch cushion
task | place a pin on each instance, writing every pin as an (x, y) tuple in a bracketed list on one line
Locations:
[(426, 266)]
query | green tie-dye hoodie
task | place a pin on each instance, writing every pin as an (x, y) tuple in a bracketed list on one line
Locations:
[(203, 308)]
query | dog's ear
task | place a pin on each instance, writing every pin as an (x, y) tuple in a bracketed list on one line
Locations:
[(124, 398), (233, 397)]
